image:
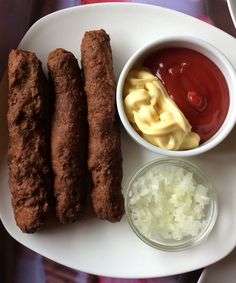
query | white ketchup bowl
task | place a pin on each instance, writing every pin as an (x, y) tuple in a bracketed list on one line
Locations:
[(204, 48)]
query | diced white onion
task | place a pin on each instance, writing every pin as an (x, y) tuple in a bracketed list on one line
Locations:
[(168, 204)]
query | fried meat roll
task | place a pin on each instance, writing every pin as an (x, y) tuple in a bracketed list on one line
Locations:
[(104, 151), (29, 151), (69, 136)]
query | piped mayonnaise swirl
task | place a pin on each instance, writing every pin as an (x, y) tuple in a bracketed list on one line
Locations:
[(154, 115)]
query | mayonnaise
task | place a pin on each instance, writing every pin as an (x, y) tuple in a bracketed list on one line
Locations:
[(157, 117)]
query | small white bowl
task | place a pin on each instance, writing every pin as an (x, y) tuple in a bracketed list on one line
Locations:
[(211, 53)]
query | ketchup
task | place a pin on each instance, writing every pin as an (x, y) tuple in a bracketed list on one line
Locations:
[(196, 85)]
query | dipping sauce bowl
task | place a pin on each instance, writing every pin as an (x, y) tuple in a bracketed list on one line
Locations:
[(176, 96)]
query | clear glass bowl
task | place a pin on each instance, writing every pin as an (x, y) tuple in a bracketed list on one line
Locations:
[(159, 241)]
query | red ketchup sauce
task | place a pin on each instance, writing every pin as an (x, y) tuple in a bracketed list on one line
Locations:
[(196, 85)]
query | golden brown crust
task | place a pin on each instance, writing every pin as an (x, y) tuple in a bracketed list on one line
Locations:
[(69, 136), (29, 151), (104, 153)]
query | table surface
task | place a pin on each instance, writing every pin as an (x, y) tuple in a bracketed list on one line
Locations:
[(15, 19)]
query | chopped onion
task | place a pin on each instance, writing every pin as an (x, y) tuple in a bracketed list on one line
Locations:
[(168, 203)]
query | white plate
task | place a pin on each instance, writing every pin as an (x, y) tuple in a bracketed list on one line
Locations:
[(232, 10), (96, 246), (222, 271)]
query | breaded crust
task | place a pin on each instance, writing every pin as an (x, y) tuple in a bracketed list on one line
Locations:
[(104, 153), (30, 176), (69, 136)]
